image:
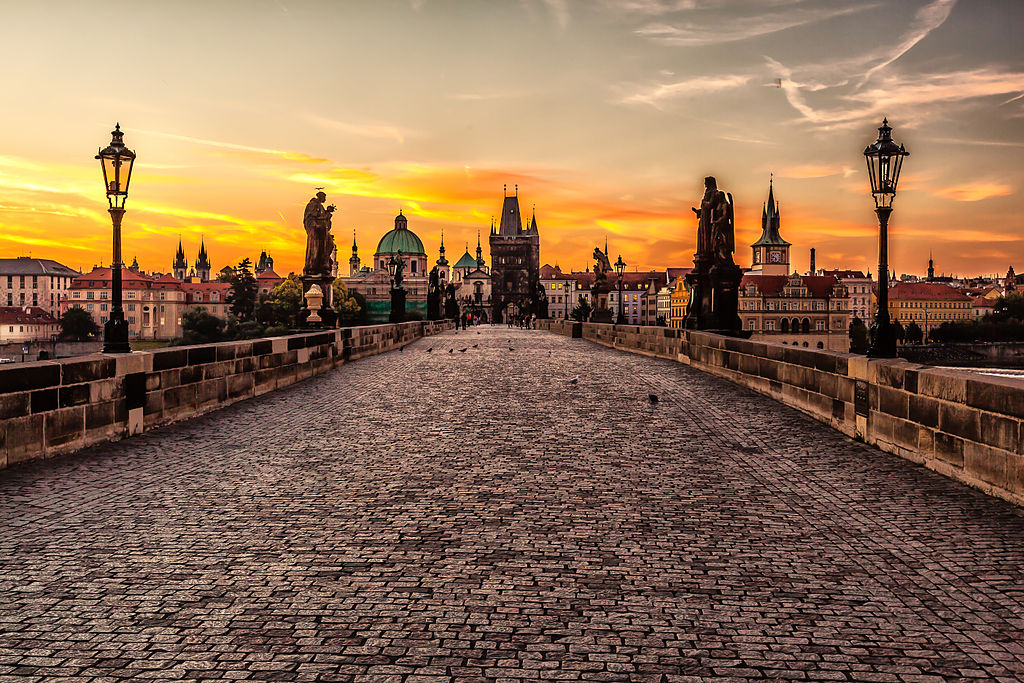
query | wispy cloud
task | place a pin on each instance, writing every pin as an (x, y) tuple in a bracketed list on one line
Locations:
[(716, 29), (379, 131), (926, 20), (261, 151), (655, 95), (975, 192), (805, 171)]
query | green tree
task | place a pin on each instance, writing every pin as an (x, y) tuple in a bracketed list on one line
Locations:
[(581, 313), (199, 326), (858, 336), (914, 333), (77, 325), (244, 289), (351, 307), (901, 334), (284, 302), (1009, 307)]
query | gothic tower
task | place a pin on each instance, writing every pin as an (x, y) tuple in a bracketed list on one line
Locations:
[(203, 263), (515, 263), (353, 261), (771, 252), (180, 265)]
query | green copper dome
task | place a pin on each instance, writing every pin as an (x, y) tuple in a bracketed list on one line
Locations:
[(401, 238), (466, 261)]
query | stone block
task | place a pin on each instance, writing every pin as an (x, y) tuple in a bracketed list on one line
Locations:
[(64, 426), (44, 400), (28, 376), (74, 395), (906, 434), (1001, 432), (881, 426), (154, 381), (218, 369), (197, 355), (239, 385), (960, 420), (211, 393), (166, 359), (99, 415), (105, 390), (24, 438), (170, 379), (129, 363), (136, 421), (179, 400), (279, 345), (923, 410), (15, 405), (949, 448), (945, 384), (858, 367), (245, 365), (87, 369), (987, 464), (262, 347), (888, 373), (997, 395), (190, 374), (154, 404), (895, 402)]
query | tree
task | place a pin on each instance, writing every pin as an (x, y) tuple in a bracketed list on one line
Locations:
[(901, 334), (351, 307), (244, 289), (282, 305), (914, 333), (1009, 307), (581, 313), (858, 336), (77, 325), (199, 326)]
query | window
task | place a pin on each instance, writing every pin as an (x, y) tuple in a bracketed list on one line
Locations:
[(104, 295), (131, 307), (90, 295), (819, 325), (35, 282), (131, 320)]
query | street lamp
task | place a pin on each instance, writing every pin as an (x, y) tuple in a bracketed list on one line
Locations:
[(566, 288), (116, 161), (395, 267), (884, 159), (620, 268)]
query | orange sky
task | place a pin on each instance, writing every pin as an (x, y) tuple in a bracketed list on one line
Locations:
[(606, 114)]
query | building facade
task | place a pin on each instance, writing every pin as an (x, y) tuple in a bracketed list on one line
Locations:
[(929, 304), (515, 263), (27, 323), (374, 282), (34, 282), (152, 304)]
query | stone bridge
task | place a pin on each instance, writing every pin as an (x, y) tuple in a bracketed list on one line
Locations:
[(459, 510)]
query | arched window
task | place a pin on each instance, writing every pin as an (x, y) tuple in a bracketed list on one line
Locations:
[(820, 345), (784, 326), (807, 325)]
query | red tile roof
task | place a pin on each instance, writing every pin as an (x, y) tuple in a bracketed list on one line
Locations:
[(25, 315), (930, 291), (269, 275)]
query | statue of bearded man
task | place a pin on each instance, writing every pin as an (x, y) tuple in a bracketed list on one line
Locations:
[(316, 219)]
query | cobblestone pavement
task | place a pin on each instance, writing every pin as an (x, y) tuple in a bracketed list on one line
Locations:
[(423, 516)]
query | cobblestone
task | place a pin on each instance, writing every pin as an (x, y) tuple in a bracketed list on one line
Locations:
[(425, 516)]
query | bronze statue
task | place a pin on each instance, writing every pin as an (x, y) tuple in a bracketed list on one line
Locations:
[(316, 219), (715, 278), (602, 264)]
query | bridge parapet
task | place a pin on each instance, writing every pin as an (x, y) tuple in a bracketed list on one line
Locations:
[(52, 407), (966, 426)]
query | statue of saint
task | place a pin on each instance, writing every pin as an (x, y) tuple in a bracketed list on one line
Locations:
[(709, 206), (602, 264), (316, 219), (723, 232)]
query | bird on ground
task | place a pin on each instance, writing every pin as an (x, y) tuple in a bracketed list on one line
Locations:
[(653, 398), (476, 346), (463, 350), (511, 349), (575, 380), (451, 350), (430, 349)]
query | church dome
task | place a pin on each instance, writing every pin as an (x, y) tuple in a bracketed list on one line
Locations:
[(401, 238), (466, 261)]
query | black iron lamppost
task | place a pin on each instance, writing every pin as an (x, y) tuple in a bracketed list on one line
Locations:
[(885, 159), (395, 267), (116, 161), (566, 287), (620, 268)]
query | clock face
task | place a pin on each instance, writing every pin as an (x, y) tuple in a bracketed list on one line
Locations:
[(775, 257)]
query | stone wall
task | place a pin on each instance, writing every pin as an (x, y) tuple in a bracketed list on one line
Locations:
[(52, 407), (967, 426)]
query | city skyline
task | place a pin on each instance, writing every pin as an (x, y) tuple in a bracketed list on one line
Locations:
[(606, 115)]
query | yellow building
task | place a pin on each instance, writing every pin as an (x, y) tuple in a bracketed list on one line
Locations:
[(929, 304), (679, 300)]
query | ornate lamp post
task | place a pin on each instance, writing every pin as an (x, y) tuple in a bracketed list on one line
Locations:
[(116, 161), (395, 267), (620, 268), (884, 159), (566, 289)]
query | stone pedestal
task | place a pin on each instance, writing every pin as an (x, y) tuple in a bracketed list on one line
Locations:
[(397, 306), (328, 316), (714, 298)]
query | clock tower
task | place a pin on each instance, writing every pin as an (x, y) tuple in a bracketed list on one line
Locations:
[(771, 252)]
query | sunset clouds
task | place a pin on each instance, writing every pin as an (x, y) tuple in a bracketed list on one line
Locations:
[(607, 114)]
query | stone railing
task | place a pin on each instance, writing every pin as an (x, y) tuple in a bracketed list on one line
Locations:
[(967, 426), (52, 407)]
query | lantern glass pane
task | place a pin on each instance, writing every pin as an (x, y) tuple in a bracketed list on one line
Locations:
[(124, 173), (871, 173), (897, 165), (109, 174)]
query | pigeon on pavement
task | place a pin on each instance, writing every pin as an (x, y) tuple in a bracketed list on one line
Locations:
[(653, 398), (575, 380)]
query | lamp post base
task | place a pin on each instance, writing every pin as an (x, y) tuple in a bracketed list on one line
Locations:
[(883, 341), (397, 306), (115, 334)]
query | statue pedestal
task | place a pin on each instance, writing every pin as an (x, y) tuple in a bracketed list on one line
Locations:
[(397, 306), (714, 299), (328, 316)]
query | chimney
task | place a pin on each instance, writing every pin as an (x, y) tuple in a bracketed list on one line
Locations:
[(812, 260)]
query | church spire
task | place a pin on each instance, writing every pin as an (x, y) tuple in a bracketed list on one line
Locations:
[(354, 248), (479, 251)]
